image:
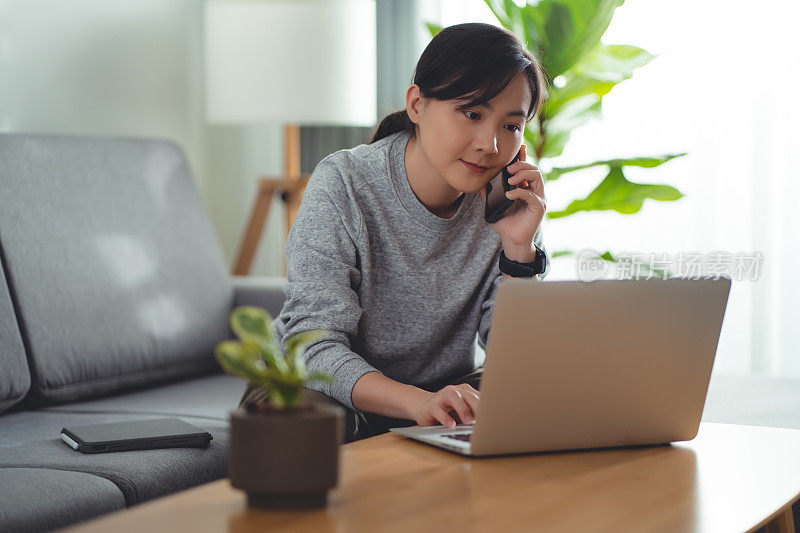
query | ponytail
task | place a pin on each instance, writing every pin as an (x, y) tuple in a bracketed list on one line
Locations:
[(392, 123)]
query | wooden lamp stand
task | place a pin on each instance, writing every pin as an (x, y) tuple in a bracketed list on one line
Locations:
[(290, 186)]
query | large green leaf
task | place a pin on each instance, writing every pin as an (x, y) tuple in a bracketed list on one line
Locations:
[(580, 99), (597, 73), (533, 139), (574, 114), (643, 162), (511, 17), (571, 29), (616, 193), (557, 32), (504, 10)]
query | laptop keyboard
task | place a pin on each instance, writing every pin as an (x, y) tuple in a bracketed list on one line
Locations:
[(459, 436)]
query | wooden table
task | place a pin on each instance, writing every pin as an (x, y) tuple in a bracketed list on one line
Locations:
[(729, 478)]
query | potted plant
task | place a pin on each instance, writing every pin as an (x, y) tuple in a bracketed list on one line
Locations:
[(284, 450)]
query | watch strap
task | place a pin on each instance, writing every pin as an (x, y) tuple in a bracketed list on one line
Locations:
[(523, 270)]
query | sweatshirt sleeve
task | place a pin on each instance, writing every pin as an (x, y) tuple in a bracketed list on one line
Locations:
[(487, 308), (323, 275)]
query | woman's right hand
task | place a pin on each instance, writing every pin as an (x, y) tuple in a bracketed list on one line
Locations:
[(454, 404)]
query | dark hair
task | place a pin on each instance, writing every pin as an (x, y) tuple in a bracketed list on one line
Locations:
[(473, 62)]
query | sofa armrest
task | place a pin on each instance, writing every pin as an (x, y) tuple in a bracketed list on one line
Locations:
[(261, 291)]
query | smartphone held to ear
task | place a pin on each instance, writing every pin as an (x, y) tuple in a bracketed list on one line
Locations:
[(496, 201)]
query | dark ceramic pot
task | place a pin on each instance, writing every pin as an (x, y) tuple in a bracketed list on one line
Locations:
[(286, 459)]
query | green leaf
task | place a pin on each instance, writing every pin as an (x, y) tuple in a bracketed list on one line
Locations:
[(320, 377), (272, 358), (534, 141), (276, 399), (571, 29), (580, 100), (570, 253), (597, 73), (642, 162), (291, 379), (565, 36), (515, 19), (297, 343), (504, 10), (616, 193), (557, 32), (561, 253), (607, 256), (254, 325), (236, 359), (274, 378), (251, 323), (574, 114), (291, 396), (433, 28)]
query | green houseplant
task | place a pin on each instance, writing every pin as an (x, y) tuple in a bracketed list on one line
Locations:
[(257, 358), (284, 452), (564, 35)]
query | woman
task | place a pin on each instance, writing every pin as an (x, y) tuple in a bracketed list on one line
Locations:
[(390, 252)]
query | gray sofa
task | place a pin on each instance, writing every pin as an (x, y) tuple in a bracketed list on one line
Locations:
[(113, 294)]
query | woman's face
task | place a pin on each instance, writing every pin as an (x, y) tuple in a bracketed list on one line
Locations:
[(489, 136)]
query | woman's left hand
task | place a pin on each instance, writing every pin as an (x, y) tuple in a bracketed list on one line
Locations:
[(522, 220)]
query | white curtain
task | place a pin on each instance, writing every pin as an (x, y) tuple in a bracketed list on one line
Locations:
[(724, 88)]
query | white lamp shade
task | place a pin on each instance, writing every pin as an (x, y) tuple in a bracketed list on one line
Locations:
[(305, 61)]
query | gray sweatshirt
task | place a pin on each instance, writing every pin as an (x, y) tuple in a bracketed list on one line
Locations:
[(402, 291)]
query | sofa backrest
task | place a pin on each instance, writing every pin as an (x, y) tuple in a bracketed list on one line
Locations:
[(112, 263), (15, 380)]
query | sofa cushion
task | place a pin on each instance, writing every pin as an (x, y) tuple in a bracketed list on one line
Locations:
[(212, 397), (141, 475), (111, 259), (33, 499), (15, 380)]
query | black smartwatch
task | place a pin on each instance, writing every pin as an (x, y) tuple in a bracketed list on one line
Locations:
[(524, 270)]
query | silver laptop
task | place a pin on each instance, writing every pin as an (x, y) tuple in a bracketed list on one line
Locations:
[(575, 365)]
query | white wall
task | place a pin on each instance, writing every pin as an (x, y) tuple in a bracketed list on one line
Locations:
[(133, 67)]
